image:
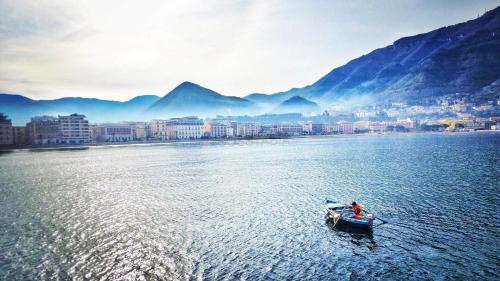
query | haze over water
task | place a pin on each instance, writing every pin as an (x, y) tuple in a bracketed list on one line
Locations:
[(253, 210)]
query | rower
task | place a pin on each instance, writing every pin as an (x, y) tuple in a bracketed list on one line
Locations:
[(358, 210)]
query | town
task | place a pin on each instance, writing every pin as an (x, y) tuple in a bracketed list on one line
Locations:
[(76, 129)]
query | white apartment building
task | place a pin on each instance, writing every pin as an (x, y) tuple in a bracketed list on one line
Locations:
[(247, 129), (218, 130), (184, 128), (74, 129)]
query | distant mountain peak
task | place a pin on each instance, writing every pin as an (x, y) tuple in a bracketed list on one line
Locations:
[(189, 98), (297, 99), (297, 104)]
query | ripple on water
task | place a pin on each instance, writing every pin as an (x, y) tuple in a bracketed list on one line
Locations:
[(252, 210)]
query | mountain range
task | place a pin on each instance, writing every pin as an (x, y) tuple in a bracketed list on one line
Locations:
[(462, 58)]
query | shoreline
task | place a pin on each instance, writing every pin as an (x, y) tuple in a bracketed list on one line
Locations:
[(164, 142)]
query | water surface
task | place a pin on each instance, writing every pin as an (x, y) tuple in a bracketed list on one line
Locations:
[(253, 210)]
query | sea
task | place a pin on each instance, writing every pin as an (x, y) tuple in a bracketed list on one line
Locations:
[(253, 209)]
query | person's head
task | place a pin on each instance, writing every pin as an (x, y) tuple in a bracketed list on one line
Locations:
[(354, 203)]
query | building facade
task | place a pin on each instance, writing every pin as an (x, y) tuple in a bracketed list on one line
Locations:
[(247, 129), (184, 128), (74, 129), (216, 130), (346, 127), (139, 131), (112, 133), (43, 130), (6, 137), (158, 129), (19, 133)]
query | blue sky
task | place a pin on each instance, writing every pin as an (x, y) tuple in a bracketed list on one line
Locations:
[(120, 49)]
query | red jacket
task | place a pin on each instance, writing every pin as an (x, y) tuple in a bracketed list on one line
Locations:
[(358, 211)]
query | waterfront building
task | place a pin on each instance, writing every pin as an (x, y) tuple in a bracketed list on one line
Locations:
[(346, 127), (290, 129), (248, 129), (190, 127), (215, 128), (376, 127), (113, 133), (19, 134), (307, 128), (407, 123), (229, 132), (331, 128), (139, 130), (6, 137), (74, 129), (43, 130), (234, 125), (317, 128), (361, 125), (158, 129)]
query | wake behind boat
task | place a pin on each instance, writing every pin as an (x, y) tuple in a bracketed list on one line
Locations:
[(343, 215)]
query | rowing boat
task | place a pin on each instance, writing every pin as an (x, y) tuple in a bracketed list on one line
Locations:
[(342, 215)]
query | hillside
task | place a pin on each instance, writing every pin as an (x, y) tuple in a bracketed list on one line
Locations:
[(462, 58)]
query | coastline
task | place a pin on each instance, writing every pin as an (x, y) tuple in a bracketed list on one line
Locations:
[(165, 142)]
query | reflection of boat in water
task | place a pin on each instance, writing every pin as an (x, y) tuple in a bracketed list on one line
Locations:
[(342, 217)]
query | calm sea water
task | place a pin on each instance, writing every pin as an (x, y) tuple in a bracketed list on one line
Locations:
[(253, 210)]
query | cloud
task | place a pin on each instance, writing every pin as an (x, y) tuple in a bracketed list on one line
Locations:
[(119, 49)]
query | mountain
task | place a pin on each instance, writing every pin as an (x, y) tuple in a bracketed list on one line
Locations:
[(192, 99), (297, 104), (20, 109), (142, 102), (462, 58)]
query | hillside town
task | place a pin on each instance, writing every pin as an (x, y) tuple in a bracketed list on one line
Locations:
[(76, 129)]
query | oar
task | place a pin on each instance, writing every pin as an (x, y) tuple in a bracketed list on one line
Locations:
[(376, 217)]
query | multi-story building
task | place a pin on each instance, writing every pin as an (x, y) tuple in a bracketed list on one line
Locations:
[(331, 128), (346, 127), (6, 137), (376, 127), (43, 130), (230, 132), (215, 129), (158, 129), (407, 123), (247, 129), (289, 129), (112, 133), (139, 131), (361, 125), (184, 128), (19, 133), (74, 129), (307, 128), (317, 128)]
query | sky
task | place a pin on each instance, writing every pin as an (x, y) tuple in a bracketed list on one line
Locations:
[(120, 49)]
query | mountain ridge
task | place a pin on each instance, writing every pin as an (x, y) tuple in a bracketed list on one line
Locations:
[(415, 67), (460, 59)]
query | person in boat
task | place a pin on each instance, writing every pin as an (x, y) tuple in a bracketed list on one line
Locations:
[(358, 210)]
